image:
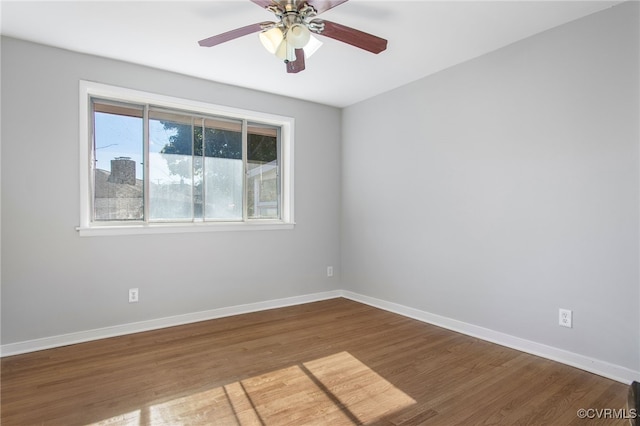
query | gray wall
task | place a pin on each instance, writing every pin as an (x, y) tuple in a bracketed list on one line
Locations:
[(55, 282), (502, 189)]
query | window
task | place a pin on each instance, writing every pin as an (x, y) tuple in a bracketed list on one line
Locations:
[(152, 163)]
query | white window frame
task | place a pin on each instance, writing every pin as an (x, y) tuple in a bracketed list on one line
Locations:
[(88, 227)]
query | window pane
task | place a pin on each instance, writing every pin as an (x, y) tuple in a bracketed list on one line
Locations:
[(263, 185), (171, 177), (223, 170), (157, 164), (118, 153)]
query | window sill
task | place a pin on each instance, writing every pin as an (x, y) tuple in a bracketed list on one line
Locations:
[(179, 228)]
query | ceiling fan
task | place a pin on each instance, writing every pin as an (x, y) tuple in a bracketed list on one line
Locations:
[(290, 39)]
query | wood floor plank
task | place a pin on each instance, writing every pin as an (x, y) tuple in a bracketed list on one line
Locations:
[(334, 362)]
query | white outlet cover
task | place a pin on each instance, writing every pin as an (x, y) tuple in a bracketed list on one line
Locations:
[(565, 318)]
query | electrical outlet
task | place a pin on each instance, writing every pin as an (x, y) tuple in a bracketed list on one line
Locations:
[(566, 318), (134, 294), (329, 271)]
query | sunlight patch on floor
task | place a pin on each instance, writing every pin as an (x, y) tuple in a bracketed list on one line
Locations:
[(337, 390), (366, 394), (129, 419)]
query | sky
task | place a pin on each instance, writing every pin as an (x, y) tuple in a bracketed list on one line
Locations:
[(122, 136)]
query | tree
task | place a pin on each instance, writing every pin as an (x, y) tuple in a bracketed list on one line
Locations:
[(217, 143), (219, 179), (188, 142)]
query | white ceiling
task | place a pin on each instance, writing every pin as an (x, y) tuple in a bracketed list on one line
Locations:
[(424, 37)]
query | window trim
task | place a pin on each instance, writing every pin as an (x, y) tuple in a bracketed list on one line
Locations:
[(87, 227)]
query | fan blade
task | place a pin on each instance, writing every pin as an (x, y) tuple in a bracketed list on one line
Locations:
[(263, 3), (352, 36), (230, 35), (324, 5), (297, 65)]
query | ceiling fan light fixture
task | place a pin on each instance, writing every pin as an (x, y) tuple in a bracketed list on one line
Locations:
[(272, 39), (298, 35), (290, 39)]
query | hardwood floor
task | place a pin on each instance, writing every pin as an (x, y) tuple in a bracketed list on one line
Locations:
[(328, 363)]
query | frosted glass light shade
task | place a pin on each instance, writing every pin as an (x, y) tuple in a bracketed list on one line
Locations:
[(298, 36), (311, 47), (286, 51), (271, 39)]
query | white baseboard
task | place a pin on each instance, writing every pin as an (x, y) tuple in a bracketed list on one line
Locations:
[(137, 327), (601, 368)]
